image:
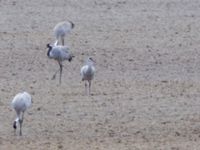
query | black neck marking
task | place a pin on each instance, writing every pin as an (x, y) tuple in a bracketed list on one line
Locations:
[(50, 48)]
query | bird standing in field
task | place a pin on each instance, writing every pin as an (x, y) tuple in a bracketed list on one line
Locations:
[(59, 53), (62, 29), (20, 103), (87, 73)]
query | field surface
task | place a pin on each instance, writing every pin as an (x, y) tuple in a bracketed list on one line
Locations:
[(146, 91)]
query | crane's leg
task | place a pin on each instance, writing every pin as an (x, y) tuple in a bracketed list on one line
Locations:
[(86, 87), (54, 76), (63, 40), (89, 86), (56, 40), (20, 124), (61, 67)]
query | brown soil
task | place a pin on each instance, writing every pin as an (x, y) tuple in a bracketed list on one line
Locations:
[(146, 91)]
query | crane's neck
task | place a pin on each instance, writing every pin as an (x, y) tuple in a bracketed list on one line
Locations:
[(90, 67), (49, 50), (90, 63)]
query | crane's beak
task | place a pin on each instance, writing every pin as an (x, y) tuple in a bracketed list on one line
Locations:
[(92, 60), (73, 25)]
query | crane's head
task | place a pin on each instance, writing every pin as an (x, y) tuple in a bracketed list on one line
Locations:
[(15, 125), (72, 24), (49, 46), (91, 59)]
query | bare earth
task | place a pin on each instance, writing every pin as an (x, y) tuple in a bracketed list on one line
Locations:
[(145, 95)]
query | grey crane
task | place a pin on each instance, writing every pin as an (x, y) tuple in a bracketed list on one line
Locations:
[(20, 103), (87, 73), (59, 53), (62, 29)]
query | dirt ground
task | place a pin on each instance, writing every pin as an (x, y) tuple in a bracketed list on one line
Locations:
[(145, 95)]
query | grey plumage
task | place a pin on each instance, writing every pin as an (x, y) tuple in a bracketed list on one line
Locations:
[(62, 29), (59, 53), (21, 102), (87, 73)]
